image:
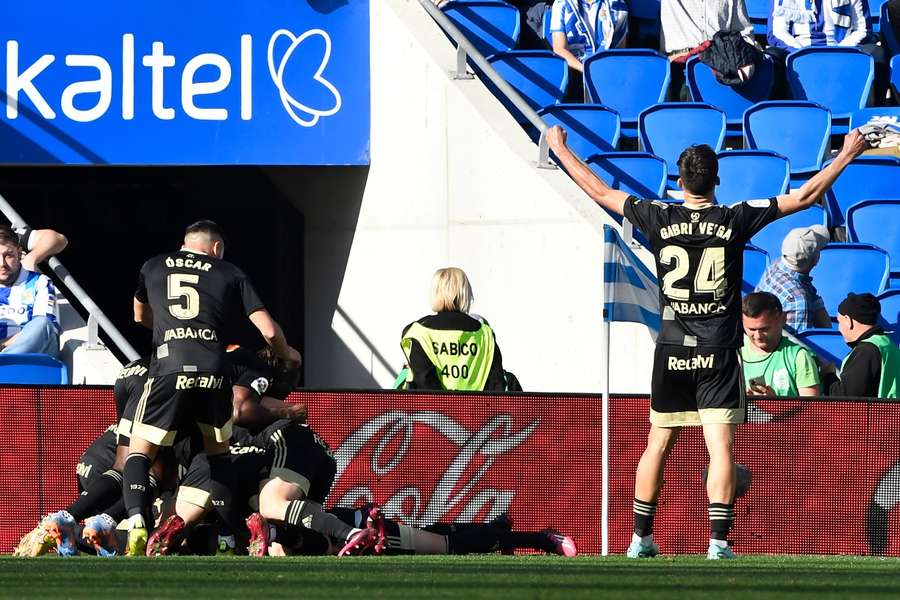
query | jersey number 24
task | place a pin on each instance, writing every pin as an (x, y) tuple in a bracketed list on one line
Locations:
[(709, 278)]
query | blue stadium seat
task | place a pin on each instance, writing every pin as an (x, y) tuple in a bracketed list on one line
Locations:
[(32, 369), (490, 25), (890, 313), (887, 34), (862, 116), (835, 77), (845, 268), (755, 262), (866, 178), (875, 14), (877, 222), (799, 130), (538, 75), (638, 173), (591, 128), (895, 73), (667, 129), (751, 175), (628, 81), (770, 238), (733, 100), (758, 11), (828, 344)]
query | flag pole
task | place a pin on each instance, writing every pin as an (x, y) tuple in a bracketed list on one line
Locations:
[(604, 429)]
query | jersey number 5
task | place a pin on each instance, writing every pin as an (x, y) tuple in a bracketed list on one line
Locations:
[(710, 277), (188, 305)]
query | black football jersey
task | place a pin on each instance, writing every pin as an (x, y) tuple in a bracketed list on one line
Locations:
[(699, 256), (193, 297), (130, 383)]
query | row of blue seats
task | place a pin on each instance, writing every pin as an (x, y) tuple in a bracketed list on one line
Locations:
[(631, 80), (32, 369)]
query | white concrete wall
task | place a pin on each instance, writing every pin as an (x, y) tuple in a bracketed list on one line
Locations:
[(453, 181)]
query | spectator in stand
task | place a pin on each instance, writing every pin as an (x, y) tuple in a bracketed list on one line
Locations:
[(796, 24), (39, 245), (772, 364), (687, 24), (581, 28), (872, 369), (28, 317), (789, 280), (452, 350)]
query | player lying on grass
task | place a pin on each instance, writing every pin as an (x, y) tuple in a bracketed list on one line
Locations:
[(290, 470), (260, 384)]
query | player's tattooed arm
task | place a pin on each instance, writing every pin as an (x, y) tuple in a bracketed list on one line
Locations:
[(610, 199), (274, 336), (143, 314), (811, 191)]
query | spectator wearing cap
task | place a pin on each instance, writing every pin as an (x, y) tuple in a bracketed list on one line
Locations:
[(872, 369), (789, 279)]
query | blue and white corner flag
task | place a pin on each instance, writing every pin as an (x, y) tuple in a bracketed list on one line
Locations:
[(631, 291)]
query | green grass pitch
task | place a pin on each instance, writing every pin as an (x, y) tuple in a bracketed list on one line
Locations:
[(466, 577)]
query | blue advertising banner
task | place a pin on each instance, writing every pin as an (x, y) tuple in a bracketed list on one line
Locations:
[(175, 82)]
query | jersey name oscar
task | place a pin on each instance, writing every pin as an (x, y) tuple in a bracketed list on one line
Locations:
[(188, 263)]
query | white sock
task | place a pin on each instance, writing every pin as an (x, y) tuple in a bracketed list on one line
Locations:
[(719, 543), (353, 532), (646, 540), (229, 540), (136, 522)]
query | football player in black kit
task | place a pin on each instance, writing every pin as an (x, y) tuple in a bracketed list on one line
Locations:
[(187, 298), (698, 249)]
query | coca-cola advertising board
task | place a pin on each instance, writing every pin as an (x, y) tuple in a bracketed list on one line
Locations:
[(826, 475)]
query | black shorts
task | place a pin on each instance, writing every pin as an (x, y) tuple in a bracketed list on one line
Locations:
[(301, 457), (126, 419), (181, 402), (250, 465), (97, 459), (696, 386)]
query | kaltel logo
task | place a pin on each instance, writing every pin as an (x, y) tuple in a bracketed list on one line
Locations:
[(96, 92), (390, 438)]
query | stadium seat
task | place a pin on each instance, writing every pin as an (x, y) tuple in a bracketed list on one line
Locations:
[(667, 129), (845, 268), (771, 236), (32, 369), (755, 262), (875, 14), (862, 116), (758, 11), (866, 178), (638, 173), (538, 75), (828, 344), (800, 131), (733, 100), (591, 128), (877, 222), (751, 175), (491, 26), (836, 77), (895, 73), (628, 81), (890, 313), (889, 41)]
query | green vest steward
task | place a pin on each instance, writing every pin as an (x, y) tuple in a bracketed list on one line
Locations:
[(889, 385), (462, 358)]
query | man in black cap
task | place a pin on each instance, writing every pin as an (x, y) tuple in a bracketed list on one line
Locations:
[(872, 369)]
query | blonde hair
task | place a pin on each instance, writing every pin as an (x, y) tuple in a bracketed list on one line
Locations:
[(451, 291)]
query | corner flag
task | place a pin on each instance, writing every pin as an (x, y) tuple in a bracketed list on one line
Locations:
[(631, 291)]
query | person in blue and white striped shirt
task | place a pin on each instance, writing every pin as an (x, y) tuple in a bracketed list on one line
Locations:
[(28, 315), (581, 28)]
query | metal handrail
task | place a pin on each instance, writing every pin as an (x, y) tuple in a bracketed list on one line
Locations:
[(464, 50), (72, 286)]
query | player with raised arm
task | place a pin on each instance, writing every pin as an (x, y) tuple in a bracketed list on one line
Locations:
[(698, 249), (187, 298)]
